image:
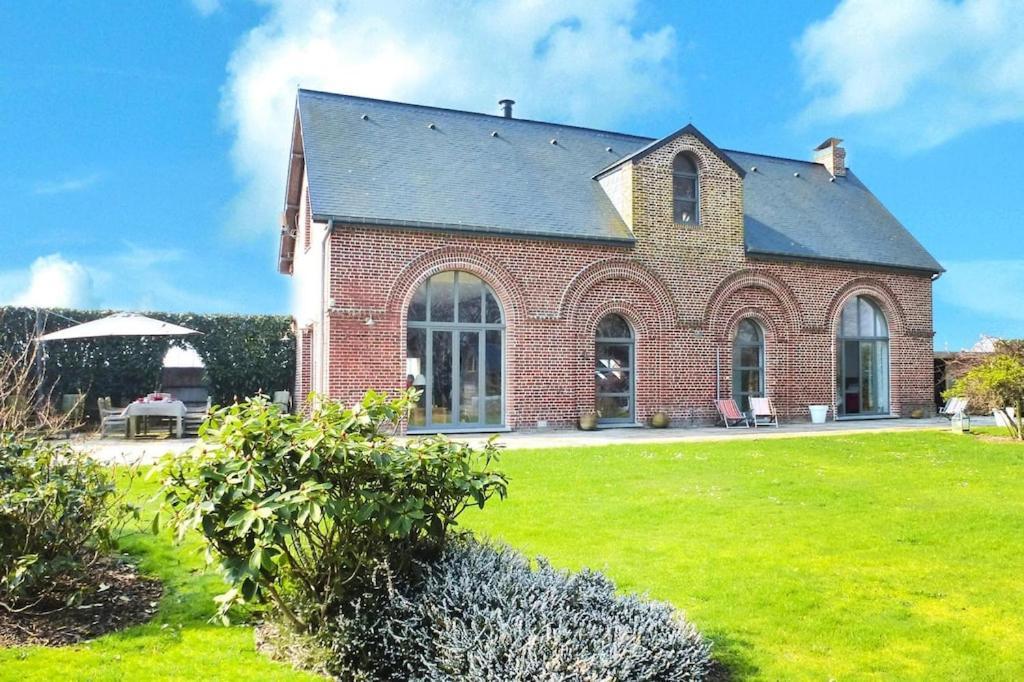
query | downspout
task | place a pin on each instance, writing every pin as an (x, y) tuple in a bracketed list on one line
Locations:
[(718, 373), (323, 303)]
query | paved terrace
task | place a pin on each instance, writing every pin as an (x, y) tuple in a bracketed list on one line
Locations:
[(116, 451)]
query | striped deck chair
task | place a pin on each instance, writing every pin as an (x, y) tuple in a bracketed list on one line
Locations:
[(730, 413), (763, 412)]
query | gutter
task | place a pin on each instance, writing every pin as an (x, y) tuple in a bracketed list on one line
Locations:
[(323, 296)]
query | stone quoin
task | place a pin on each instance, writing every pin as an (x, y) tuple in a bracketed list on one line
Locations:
[(524, 273)]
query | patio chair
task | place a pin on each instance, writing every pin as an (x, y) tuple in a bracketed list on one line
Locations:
[(730, 413), (953, 407), (283, 399), (195, 415), (112, 419), (1004, 417), (763, 413)]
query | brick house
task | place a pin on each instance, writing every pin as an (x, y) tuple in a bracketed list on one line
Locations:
[(522, 273)]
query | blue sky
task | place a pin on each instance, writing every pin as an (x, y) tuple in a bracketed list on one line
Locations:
[(145, 143)]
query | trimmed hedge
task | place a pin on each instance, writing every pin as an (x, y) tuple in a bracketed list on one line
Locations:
[(244, 354)]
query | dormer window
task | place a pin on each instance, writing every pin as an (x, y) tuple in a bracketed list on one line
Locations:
[(685, 191)]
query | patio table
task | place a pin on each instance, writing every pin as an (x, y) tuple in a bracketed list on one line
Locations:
[(156, 408)]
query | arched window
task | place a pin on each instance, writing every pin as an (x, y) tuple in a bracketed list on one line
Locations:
[(455, 346), (685, 190), (613, 370), (863, 359), (748, 379)]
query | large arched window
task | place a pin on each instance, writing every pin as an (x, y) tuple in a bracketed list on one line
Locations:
[(748, 364), (613, 370), (863, 359), (685, 190), (454, 353)]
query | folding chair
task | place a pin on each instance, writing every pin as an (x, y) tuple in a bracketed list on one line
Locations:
[(730, 413), (763, 412)]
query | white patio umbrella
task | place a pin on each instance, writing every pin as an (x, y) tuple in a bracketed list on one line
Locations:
[(119, 324)]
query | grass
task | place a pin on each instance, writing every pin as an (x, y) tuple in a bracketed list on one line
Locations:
[(179, 644), (876, 556), (882, 556)]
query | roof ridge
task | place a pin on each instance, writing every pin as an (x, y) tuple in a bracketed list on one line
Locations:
[(475, 113), (771, 156)]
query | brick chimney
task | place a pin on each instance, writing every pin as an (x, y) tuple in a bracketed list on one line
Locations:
[(832, 156)]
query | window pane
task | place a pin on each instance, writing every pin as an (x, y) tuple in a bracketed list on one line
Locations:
[(750, 356), (685, 211), (683, 164), (613, 327), (613, 407), (442, 297), (684, 188), (614, 381), (866, 313), (493, 309), (748, 332), (848, 323), (612, 356), (469, 377), (441, 371), (470, 298), (418, 305), (492, 377), (415, 368), (750, 381)]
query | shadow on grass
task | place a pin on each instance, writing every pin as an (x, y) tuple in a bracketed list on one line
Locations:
[(732, 660)]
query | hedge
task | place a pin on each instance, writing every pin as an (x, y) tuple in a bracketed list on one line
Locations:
[(243, 354)]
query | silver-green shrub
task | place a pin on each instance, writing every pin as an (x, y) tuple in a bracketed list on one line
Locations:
[(482, 613)]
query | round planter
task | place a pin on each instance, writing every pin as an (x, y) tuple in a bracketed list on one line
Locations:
[(588, 422), (659, 420)]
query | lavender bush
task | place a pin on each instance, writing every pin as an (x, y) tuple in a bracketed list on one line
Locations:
[(481, 613)]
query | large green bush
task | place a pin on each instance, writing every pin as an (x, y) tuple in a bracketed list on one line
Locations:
[(302, 512), (244, 354), (59, 511), (998, 383), (483, 613)]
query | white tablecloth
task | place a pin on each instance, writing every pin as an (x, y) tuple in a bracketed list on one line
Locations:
[(160, 408)]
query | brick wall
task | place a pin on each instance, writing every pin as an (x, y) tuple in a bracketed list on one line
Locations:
[(683, 288)]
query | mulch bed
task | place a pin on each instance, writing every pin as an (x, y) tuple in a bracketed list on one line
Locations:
[(117, 597)]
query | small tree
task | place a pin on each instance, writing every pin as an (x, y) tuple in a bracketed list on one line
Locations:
[(998, 383)]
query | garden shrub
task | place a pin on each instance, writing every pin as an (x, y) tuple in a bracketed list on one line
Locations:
[(59, 511), (481, 613), (302, 511)]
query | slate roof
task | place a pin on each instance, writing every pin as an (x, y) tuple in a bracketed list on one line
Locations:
[(378, 162)]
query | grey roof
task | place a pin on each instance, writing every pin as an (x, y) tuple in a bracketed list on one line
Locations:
[(393, 168), (792, 210)]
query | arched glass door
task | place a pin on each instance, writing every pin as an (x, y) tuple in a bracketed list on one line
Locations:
[(455, 348), (614, 371), (748, 364), (863, 359)]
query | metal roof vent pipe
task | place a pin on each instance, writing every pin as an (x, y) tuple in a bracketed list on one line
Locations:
[(506, 107)]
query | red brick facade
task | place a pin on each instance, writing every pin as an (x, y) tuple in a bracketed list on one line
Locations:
[(683, 289)]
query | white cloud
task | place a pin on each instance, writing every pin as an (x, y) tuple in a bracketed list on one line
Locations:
[(206, 7), (919, 72), (576, 61), (66, 185), (986, 287), (54, 282)]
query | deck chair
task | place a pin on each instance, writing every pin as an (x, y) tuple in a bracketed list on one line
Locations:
[(730, 413), (953, 407), (112, 419), (763, 412)]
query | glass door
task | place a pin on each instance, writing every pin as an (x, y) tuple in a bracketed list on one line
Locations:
[(613, 371)]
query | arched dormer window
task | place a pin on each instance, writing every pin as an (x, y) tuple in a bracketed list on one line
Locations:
[(685, 190)]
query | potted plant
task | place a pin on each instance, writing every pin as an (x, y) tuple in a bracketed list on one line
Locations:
[(588, 421), (659, 419)]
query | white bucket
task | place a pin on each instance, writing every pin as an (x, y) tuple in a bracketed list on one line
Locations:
[(819, 413)]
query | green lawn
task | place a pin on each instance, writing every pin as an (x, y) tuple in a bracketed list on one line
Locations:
[(886, 556), (178, 645)]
